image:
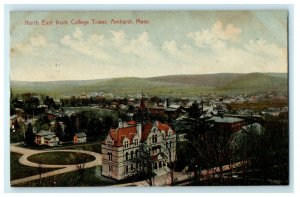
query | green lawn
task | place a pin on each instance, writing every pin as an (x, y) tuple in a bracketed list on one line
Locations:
[(94, 147), (18, 171), (92, 178), (61, 158)]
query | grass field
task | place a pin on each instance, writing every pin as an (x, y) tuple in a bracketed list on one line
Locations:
[(94, 147), (92, 178), (18, 171), (257, 106), (60, 158)]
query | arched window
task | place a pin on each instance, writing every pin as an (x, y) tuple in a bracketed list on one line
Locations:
[(126, 156), (167, 145), (126, 169), (131, 154), (136, 153)]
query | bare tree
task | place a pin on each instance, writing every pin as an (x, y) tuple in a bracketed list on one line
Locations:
[(80, 160), (40, 169), (144, 163)]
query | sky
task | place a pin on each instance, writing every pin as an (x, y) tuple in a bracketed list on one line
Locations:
[(171, 43)]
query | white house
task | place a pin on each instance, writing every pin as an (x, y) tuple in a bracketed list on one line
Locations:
[(46, 138), (79, 138), (121, 146)]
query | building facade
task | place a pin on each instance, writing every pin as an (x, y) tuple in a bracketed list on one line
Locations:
[(120, 149)]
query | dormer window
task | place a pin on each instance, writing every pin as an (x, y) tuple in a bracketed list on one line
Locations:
[(109, 143), (126, 144), (154, 139), (136, 142)]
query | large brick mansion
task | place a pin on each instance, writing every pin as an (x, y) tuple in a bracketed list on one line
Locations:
[(120, 149)]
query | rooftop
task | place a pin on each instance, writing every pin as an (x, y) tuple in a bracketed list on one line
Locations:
[(218, 119)]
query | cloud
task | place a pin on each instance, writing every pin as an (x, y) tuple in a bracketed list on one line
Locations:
[(170, 47), (220, 48), (77, 34), (119, 38), (141, 47), (38, 41), (262, 47), (106, 49), (217, 36), (90, 45), (32, 46)]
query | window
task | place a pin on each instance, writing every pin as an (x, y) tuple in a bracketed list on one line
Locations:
[(109, 156), (136, 142), (126, 156), (136, 153), (109, 143), (126, 170), (131, 167), (126, 144), (167, 145), (110, 168), (154, 139), (131, 154)]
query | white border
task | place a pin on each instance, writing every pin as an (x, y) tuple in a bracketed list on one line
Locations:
[(84, 6)]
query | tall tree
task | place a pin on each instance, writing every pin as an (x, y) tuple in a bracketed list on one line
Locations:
[(197, 141), (29, 135), (145, 163)]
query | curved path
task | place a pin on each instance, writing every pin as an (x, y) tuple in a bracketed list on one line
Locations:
[(65, 168)]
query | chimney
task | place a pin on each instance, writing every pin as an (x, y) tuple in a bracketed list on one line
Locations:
[(120, 124), (139, 130)]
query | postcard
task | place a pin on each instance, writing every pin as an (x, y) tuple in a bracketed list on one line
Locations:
[(149, 98)]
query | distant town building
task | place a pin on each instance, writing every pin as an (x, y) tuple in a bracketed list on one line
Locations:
[(227, 124), (46, 138), (79, 138)]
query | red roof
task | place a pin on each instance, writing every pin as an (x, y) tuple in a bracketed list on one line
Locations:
[(131, 122), (163, 127), (119, 134), (146, 130)]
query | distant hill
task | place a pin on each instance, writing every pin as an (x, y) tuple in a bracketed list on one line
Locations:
[(175, 85), (208, 80), (257, 82)]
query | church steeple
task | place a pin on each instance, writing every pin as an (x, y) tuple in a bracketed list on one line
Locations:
[(142, 114), (142, 103)]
